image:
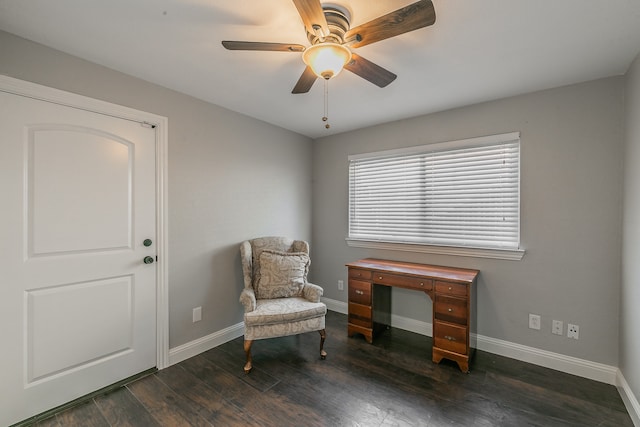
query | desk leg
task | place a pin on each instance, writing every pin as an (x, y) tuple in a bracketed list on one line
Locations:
[(354, 329), (463, 362)]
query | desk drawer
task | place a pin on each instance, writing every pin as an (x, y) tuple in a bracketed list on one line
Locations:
[(450, 288), (356, 273), (360, 315), (450, 337), (360, 292), (418, 283), (451, 309)]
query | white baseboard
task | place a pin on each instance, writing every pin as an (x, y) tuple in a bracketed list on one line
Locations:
[(571, 365), (195, 347), (335, 305), (629, 399), (559, 362)]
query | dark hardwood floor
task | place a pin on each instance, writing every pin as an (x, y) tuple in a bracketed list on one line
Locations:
[(390, 383)]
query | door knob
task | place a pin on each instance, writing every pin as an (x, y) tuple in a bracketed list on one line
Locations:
[(147, 242), (148, 260)]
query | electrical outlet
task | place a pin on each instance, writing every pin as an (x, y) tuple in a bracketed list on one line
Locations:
[(340, 285), (534, 321), (573, 331), (557, 327), (197, 314)]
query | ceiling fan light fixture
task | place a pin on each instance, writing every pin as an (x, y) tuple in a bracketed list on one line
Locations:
[(326, 59)]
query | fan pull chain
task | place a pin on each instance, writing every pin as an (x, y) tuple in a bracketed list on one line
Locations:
[(325, 118)]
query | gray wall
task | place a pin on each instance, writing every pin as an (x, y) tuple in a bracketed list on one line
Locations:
[(630, 314), (231, 177), (571, 198)]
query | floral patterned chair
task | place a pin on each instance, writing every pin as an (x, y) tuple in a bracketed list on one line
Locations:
[(277, 298)]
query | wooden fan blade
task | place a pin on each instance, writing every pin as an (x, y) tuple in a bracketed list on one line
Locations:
[(313, 17), (277, 47), (409, 18), (306, 80), (370, 71)]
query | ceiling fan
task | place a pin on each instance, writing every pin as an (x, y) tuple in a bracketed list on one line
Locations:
[(332, 40)]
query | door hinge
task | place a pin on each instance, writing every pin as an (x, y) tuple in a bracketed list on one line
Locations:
[(148, 125)]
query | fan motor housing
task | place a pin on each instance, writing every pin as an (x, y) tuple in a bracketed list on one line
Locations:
[(338, 21)]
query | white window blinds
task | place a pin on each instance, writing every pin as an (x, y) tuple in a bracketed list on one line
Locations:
[(463, 193)]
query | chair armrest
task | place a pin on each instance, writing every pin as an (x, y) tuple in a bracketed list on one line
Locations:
[(248, 299), (312, 292), (247, 263)]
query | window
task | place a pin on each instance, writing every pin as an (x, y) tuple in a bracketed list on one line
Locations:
[(460, 194)]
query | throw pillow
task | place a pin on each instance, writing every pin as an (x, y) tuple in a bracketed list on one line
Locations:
[(282, 274)]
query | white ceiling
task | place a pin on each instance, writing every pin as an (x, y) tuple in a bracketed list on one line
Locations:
[(476, 51)]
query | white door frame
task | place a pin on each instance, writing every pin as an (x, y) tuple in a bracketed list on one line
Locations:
[(44, 93)]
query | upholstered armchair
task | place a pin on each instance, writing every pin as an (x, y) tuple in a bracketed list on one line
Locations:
[(277, 298)]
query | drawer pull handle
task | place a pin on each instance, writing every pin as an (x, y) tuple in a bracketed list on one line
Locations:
[(449, 287), (359, 292), (449, 337), (379, 277), (450, 310), (421, 284)]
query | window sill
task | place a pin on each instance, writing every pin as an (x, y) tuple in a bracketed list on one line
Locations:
[(507, 254)]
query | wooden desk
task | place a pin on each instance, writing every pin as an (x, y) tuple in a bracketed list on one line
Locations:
[(452, 292)]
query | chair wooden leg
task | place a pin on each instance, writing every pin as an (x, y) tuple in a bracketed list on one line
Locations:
[(323, 335), (247, 351)]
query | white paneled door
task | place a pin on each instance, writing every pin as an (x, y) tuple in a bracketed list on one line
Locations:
[(77, 224)]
